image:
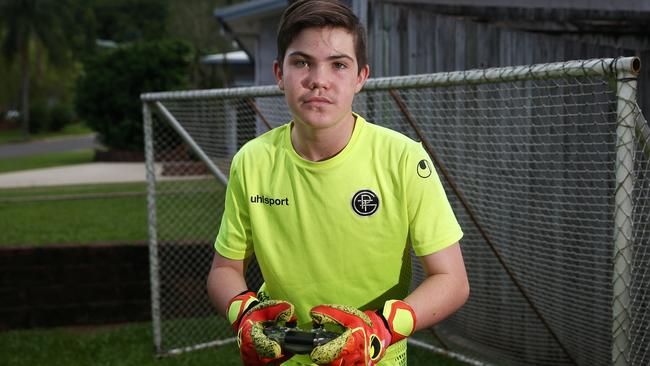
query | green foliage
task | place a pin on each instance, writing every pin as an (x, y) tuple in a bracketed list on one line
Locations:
[(108, 96), (65, 28), (60, 116), (44, 118), (130, 20), (35, 34), (45, 42), (38, 115), (195, 23)]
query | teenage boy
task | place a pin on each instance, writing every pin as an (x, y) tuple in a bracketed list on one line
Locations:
[(331, 205)]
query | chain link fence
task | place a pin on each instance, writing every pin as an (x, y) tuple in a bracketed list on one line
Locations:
[(547, 167)]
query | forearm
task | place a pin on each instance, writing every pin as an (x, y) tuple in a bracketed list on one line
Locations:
[(445, 289), (436, 298), (224, 283)]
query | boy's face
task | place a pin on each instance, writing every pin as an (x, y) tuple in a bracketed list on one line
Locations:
[(320, 76)]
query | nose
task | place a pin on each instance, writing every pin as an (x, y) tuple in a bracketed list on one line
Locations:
[(317, 78)]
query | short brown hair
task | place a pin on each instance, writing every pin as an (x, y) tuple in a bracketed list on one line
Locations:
[(304, 14)]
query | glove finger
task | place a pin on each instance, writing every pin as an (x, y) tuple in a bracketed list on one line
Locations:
[(265, 346), (273, 311), (344, 315), (330, 351), (256, 349)]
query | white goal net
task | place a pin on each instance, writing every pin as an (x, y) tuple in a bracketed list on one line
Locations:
[(547, 167)]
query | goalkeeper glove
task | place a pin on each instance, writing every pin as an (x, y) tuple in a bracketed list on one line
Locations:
[(248, 317), (367, 334)]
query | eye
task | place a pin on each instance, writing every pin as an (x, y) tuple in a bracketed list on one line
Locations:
[(300, 63), (340, 66)]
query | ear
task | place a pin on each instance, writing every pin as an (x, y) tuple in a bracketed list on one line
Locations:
[(362, 77), (277, 71)]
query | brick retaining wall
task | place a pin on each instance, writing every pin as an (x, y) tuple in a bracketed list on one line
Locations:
[(73, 285), (49, 286)]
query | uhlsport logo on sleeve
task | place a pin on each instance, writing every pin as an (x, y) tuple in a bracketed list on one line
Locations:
[(365, 202), (424, 169)]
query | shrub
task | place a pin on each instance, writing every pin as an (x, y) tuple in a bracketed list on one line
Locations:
[(38, 116), (60, 116), (108, 95)]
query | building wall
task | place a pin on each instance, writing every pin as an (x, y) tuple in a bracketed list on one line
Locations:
[(414, 39), (266, 52)]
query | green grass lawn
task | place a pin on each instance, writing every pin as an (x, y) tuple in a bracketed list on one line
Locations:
[(128, 345), (35, 193), (39, 161), (16, 134), (74, 221), (124, 345), (34, 216), (108, 213)]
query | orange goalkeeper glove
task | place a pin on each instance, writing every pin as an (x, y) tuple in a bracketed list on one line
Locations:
[(367, 334), (248, 317)]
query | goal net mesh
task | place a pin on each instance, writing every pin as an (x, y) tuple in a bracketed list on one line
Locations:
[(547, 168)]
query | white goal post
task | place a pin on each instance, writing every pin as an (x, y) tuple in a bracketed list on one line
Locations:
[(547, 167)]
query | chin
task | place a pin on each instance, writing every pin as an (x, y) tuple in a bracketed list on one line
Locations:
[(316, 123), (317, 119)]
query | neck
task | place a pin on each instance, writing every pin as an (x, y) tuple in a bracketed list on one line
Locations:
[(322, 143)]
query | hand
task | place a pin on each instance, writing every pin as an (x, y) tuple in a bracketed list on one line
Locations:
[(367, 334), (250, 316)]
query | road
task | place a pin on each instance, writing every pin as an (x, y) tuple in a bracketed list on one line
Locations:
[(49, 146)]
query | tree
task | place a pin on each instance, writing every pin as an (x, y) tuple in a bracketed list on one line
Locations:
[(124, 21), (30, 26), (108, 95), (195, 23)]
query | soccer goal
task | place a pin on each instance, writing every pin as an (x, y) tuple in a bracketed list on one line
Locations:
[(547, 167)]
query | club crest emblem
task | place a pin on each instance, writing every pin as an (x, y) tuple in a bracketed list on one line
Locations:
[(365, 202)]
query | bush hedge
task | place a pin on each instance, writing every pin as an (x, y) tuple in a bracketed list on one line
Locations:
[(45, 118), (108, 95)]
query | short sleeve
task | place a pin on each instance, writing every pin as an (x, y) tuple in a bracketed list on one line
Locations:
[(234, 237), (432, 223)]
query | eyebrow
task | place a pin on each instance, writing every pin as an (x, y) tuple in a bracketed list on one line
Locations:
[(330, 58)]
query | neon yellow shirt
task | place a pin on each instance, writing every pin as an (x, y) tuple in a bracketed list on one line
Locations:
[(336, 231)]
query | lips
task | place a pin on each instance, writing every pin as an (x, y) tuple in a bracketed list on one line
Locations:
[(316, 100)]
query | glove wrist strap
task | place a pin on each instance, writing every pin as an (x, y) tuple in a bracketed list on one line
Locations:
[(400, 319), (239, 305)]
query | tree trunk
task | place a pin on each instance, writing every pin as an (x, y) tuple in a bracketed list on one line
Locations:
[(24, 89)]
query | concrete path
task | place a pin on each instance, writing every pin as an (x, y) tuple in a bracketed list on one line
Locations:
[(104, 172), (76, 174)]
